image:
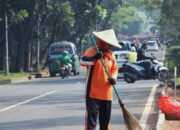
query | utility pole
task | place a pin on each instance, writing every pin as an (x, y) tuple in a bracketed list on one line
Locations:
[(6, 27), (175, 83)]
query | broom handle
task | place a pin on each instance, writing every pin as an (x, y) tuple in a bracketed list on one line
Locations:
[(94, 43)]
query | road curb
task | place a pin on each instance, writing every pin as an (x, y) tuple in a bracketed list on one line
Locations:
[(6, 81), (23, 79), (161, 116), (17, 80)]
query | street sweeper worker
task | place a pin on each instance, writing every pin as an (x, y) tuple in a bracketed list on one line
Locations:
[(99, 88)]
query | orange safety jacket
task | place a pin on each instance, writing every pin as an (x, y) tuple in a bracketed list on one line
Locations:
[(97, 84)]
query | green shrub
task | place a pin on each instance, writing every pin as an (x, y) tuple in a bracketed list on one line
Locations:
[(173, 58)]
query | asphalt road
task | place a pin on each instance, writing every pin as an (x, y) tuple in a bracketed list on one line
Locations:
[(56, 104)]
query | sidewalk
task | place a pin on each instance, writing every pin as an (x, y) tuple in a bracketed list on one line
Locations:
[(172, 124)]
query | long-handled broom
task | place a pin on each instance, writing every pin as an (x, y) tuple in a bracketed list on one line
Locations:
[(130, 121)]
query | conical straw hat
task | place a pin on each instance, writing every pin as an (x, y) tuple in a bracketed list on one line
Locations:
[(107, 36)]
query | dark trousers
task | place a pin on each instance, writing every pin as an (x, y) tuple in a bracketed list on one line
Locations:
[(94, 108), (147, 64)]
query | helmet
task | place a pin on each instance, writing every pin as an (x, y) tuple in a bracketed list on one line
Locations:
[(133, 49), (65, 53)]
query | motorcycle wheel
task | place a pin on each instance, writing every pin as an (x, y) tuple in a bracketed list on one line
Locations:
[(128, 79), (62, 74), (163, 75), (67, 73)]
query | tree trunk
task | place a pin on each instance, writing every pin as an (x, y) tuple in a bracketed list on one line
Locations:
[(12, 54), (29, 57), (26, 58), (44, 54), (25, 37), (27, 52), (2, 54), (20, 55), (79, 45)]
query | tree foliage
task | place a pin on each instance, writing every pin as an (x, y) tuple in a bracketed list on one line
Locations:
[(166, 14), (172, 56), (169, 22), (58, 20), (128, 20), (74, 20)]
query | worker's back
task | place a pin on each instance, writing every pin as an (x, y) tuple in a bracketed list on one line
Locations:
[(132, 57)]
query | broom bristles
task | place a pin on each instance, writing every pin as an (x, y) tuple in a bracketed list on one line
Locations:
[(130, 121)]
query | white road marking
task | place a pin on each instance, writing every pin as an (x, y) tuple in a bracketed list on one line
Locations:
[(78, 83), (27, 101), (147, 109)]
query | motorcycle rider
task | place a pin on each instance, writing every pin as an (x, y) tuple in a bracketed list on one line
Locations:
[(66, 60), (145, 61), (136, 44), (132, 55)]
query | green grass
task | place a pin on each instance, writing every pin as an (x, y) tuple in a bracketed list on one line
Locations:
[(13, 75)]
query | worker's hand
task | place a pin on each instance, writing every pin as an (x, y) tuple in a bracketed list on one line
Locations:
[(112, 81), (97, 56)]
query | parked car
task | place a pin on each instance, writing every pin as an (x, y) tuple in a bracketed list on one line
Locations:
[(152, 46), (121, 53)]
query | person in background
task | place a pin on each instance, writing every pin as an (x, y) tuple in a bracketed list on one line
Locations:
[(66, 60), (136, 44), (159, 43), (141, 53), (99, 88), (146, 61), (132, 55)]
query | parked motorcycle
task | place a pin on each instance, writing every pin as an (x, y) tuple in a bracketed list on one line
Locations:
[(133, 71)]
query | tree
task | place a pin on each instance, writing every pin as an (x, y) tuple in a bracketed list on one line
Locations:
[(58, 19), (170, 27), (71, 20), (16, 15), (127, 20)]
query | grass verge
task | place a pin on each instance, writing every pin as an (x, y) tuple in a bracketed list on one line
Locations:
[(14, 75)]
